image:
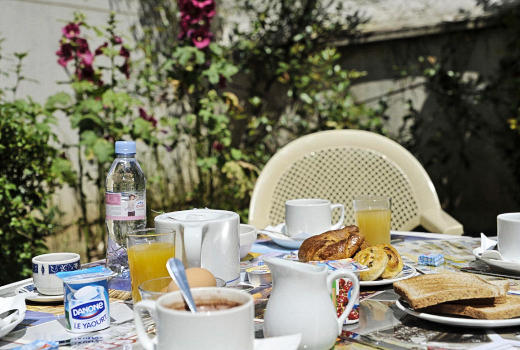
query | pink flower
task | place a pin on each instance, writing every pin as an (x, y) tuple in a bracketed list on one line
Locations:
[(71, 30), (200, 37)]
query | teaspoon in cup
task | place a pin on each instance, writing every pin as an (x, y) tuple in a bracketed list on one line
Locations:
[(176, 270)]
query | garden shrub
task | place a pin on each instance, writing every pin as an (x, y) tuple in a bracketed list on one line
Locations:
[(32, 169)]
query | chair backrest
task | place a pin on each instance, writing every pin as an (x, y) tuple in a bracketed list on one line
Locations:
[(340, 164)]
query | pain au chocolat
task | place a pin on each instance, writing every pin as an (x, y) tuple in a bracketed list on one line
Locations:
[(332, 245)]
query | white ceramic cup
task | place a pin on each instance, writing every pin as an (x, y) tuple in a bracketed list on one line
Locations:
[(45, 267), (508, 231), (248, 236), (231, 328), (311, 216)]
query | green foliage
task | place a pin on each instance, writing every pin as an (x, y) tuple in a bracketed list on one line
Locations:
[(31, 171), (235, 105), (101, 111)]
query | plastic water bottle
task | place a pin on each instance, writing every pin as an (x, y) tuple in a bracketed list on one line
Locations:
[(125, 200)]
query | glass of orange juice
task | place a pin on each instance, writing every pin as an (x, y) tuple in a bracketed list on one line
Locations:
[(148, 253), (373, 218)]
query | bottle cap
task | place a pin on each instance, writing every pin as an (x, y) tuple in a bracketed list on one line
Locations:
[(125, 147)]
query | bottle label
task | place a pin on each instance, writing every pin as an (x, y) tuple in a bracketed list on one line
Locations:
[(125, 206)]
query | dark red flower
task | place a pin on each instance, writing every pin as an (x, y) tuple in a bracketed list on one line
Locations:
[(99, 50), (217, 146), (195, 21), (146, 116), (125, 69), (83, 51), (71, 30), (65, 54), (117, 40), (123, 52), (86, 73)]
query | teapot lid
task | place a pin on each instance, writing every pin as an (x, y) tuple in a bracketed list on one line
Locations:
[(201, 215)]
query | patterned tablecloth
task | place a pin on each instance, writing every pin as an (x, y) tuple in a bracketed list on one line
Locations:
[(382, 325)]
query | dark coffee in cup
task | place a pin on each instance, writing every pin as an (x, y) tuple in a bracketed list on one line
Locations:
[(206, 305)]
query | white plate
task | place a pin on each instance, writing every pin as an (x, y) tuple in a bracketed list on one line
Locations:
[(34, 295), (457, 321), (408, 271), (500, 264)]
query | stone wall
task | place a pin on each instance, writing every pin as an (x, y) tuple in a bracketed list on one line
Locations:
[(397, 32)]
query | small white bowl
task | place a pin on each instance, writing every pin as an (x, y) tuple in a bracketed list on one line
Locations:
[(247, 238)]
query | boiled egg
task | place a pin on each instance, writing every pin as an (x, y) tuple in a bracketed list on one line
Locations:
[(197, 277)]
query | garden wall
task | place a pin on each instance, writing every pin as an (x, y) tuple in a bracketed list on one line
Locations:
[(474, 184)]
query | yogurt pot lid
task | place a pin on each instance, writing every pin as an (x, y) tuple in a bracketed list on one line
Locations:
[(92, 274)]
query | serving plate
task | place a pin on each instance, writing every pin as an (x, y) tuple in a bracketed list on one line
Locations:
[(508, 265), (456, 321), (32, 294), (408, 271)]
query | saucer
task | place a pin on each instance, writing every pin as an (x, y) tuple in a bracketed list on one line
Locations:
[(508, 265), (32, 294), (278, 235)]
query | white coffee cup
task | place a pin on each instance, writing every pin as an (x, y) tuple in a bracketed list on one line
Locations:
[(225, 329), (311, 216), (508, 231), (45, 267)]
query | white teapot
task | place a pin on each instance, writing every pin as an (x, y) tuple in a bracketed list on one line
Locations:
[(206, 238), (300, 302)]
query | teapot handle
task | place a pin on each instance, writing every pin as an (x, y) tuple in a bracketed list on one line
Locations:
[(193, 244), (353, 297)]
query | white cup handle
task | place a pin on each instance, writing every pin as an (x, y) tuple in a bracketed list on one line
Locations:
[(338, 224), (149, 343), (353, 297), (193, 244)]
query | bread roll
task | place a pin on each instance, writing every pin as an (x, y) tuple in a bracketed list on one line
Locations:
[(332, 245)]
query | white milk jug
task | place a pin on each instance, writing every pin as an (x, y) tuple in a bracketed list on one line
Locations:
[(300, 302), (206, 238)]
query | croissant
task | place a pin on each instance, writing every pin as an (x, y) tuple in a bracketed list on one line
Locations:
[(332, 245)]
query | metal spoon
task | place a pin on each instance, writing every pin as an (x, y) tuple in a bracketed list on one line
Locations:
[(176, 270)]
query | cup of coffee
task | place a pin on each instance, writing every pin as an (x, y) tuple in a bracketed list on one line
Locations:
[(45, 268), (224, 320), (311, 216), (508, 231)]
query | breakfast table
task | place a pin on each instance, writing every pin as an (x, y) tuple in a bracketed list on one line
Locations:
[(382, 324)]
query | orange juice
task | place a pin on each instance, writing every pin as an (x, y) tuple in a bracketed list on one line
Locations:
[(374, 225), (147, 261)]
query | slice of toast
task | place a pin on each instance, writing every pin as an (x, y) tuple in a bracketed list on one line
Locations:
[(508, 309), (432, 289)]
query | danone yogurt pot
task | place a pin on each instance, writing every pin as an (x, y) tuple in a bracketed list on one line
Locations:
[(86, 299), (342, 287)]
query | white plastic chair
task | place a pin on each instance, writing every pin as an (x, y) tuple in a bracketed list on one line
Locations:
[(341, 164)]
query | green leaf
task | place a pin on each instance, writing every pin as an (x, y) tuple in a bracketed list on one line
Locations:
[(61, 99)]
